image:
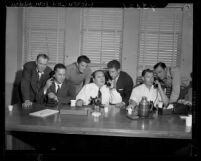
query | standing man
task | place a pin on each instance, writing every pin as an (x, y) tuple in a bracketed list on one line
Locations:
[(34, 77), (120, 81), (58, 89), (171, 78), (79, 73)]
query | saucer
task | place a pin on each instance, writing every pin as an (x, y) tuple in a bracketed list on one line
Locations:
[(133, 117)]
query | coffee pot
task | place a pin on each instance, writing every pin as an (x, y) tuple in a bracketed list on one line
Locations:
[(145, 107)]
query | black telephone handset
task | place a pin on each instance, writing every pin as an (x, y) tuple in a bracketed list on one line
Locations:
[(52, 75), (154, 83)]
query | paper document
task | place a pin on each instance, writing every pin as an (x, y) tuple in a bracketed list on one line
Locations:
[(44, 113)]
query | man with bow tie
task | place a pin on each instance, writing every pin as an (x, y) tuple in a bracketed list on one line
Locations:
[(34, 77), (58, 89)]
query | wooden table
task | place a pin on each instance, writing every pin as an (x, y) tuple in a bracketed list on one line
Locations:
[(113, 123)]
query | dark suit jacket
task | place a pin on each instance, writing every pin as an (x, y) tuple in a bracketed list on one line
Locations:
[(124, 86), (31, 86), (65, 94)]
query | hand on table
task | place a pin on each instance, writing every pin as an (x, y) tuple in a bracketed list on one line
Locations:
[(27, 104), (51, 95), (120, 105)]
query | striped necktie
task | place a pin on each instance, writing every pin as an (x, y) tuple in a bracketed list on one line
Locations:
[(100, 96)]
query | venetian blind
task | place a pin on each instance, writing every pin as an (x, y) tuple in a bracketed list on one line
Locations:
[(44, 32), (101, 34), (159, 37)]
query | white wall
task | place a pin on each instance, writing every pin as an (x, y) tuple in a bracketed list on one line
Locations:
[(72, 46), (187, 43), (130, 42), (13, 49), (11, 43)]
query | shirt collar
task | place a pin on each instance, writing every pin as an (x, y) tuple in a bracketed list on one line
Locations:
[(152, 87), (56, 84), (98, 86), (39, 72)]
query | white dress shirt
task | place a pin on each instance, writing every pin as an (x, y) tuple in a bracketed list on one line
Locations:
[(152, 94), (91, 90)]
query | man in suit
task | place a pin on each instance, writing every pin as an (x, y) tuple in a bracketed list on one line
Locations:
[(120, 81), (34, 77), (58, 89)]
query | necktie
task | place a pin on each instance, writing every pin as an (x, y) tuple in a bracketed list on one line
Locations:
[(99, 96), (58, 88)]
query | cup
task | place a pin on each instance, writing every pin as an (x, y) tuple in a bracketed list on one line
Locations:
[(10, 107), (160, 108), (189, 121), (106, 109), (130, 111), (72, 102)]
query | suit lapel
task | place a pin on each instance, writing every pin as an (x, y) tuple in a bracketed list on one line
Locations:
[(118, 82), (35, 80), (63, 86)]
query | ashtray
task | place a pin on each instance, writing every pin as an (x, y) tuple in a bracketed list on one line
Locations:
[(133, 117)]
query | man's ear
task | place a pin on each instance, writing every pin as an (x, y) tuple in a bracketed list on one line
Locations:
[(143, 79)]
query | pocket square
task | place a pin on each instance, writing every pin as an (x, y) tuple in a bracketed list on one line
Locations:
[(120, 89)]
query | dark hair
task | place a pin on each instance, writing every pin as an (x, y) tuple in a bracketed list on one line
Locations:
[(43, 56), (94, 73), (83, 58), (161, 64), (114, 64), (146, 71), (59, 66)]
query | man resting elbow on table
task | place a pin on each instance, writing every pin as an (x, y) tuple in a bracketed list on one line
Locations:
[(97, 89), (58, 89), (148, 90)]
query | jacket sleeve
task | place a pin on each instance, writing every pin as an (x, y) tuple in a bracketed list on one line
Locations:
[(88, 76), (127, 90), (26, 82), (176, 83), (70, 95)]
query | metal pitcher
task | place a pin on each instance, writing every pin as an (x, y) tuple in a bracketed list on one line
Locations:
[(144, 107)]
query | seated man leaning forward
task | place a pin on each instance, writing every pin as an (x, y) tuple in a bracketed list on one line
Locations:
[(94, 89), (120, 81), (58, 89), (147, 89)]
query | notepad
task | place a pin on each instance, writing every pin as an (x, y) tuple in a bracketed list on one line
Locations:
[(44, 113), (74, 112)]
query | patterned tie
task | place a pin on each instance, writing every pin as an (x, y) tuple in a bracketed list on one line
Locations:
[(99, 96)]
